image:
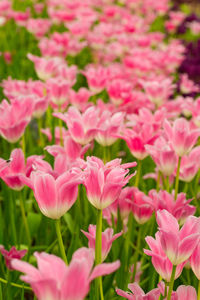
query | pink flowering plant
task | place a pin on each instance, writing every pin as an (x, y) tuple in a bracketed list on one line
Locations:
[(99, 151)]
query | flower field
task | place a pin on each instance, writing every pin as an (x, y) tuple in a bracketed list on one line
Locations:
[(99, 150)]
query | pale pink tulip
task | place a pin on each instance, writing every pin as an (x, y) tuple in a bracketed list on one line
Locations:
[(195, 261), (53, 280), (185, 292)]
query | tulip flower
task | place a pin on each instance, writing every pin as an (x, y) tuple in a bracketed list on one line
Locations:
[(55, 196), (138, 293), (160, 261), (11, 254), (178, 245), (107, 239), (53, 280), (82, 128), (181, 136), (195, 261), (14, 118), (104, 182)]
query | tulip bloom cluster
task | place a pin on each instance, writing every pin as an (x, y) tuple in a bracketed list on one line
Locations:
[(100, 153)]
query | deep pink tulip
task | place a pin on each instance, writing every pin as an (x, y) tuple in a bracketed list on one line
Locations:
[(14, 118), (11, 254), (107, 239), (138, 139), (142, 210), (53, 280), (138, 293), (55, 196), (181, 136), (104, 182), (180, 208), (178, 245), (160, 261)]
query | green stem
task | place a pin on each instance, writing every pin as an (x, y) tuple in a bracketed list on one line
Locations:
[(177, 177), (198, 297), (137, 177), (60, 241), (40, 132), (167, 184), (15, 284), (24, 144), (98, 250), (171, 284), (24, 218), (60, 126), (158, 181), (12, 216), (136, 253)]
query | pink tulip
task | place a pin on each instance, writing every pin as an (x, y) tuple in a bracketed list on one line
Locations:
[(15, 169), (190, 165), (187, 86), (11, 254), (142, 210), (14, 118), (178, 245), (96, 78), (180, 208), (80, 99), (38, 27), (119, 90), (184, 292), (138, 293), (82, 128), (195, 261), (47, 132), (163, 155), (55, 196), (58, 90), (109, 125), (53, 280), (107, 239), (104, 182), (138, 138), (181, 136), (158, 91), (160, 261), (46, 68)]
